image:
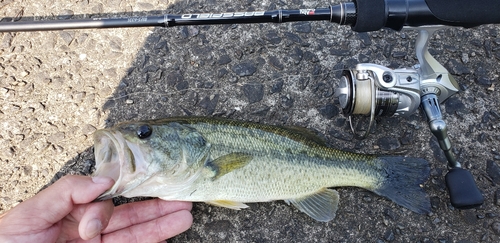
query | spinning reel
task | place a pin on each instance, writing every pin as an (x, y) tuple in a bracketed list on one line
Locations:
[(374, 90), (368, 89)]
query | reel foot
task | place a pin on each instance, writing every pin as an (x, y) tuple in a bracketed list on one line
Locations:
[(464, 193)]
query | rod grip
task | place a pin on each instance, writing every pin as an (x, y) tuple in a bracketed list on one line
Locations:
[(466, 12), (372, 15)]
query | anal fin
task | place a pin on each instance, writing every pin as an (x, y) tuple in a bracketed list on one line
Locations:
[(321, 206), (228, 204)]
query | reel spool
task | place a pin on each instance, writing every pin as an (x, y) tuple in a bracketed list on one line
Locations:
[(360, 92)]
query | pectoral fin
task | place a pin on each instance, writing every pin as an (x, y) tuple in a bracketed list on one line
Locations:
[(320, 206), (228, 204), (227, 163)]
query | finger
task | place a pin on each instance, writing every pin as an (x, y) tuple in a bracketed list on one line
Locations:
[(139, 212), (155, 230), (95, 218), (56, 201), (71, 223)]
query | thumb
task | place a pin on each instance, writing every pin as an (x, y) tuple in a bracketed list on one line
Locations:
[(55, 202)]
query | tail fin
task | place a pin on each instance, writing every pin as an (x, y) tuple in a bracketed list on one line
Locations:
[(402, 182)]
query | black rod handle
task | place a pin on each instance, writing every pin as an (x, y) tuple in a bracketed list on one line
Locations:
[(374, 15), (466, 12)]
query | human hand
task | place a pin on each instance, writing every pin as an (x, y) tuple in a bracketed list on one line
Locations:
[(65, 212)]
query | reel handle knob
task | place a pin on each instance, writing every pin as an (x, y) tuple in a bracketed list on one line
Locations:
[(463, 190)]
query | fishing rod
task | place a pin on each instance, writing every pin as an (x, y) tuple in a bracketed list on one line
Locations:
[(361, 15), (369, 89)]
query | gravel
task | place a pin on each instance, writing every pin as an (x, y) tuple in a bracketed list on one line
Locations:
[(58, 87)]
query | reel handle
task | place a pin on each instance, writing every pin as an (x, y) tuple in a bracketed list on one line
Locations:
[(462, 188)]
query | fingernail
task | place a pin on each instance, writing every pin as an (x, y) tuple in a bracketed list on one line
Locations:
[(101, 180), (94, 228)]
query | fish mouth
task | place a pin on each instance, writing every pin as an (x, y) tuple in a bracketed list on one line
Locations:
[(112, 157)]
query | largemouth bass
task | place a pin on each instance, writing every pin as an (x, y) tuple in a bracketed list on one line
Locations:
[(229, 163)]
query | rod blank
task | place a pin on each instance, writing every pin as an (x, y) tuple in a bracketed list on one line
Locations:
[(276, 16)]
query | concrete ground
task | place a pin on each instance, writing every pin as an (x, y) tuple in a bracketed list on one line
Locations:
[(58, 87)]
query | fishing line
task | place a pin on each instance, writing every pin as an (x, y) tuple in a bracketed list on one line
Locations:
[(286, 78), (363, 102)]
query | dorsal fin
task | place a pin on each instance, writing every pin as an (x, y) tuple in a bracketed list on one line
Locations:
[(299, 134), (305, 133)]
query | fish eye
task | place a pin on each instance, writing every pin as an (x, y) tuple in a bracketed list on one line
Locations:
[(144, 131)]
